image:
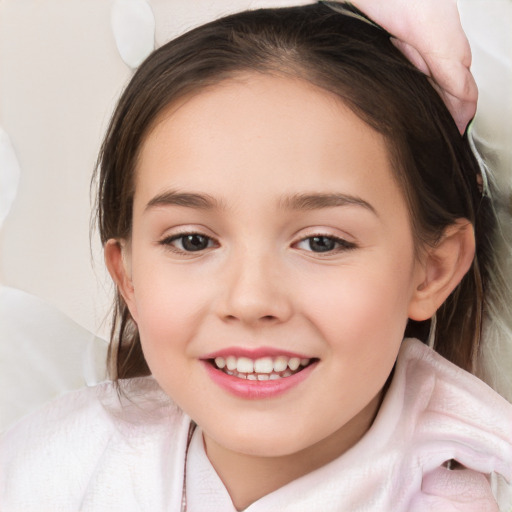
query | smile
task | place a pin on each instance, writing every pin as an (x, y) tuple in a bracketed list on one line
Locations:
[(266, 374), (264, 368)]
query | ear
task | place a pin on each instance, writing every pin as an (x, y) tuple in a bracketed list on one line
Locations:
[(442, 269), (117, 259)]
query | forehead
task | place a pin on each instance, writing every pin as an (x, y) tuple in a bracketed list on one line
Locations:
[(256, 131)]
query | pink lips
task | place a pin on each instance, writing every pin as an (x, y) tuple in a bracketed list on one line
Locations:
[(255, 389)]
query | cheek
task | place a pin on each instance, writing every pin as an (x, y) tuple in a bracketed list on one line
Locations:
[(168, 307), (358, 300), (360, 308), (362, 320)]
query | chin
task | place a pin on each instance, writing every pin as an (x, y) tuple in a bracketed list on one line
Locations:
[(263, 441)]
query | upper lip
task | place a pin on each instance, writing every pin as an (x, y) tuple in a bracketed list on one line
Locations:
[(254, 353)]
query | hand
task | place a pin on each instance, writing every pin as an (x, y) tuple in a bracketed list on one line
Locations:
[(430, 35)]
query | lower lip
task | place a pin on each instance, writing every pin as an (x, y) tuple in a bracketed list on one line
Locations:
[(257, 389)]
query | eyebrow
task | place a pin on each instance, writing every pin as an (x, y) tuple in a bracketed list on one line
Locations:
[(319, 201), (186, 199), (294, 202)]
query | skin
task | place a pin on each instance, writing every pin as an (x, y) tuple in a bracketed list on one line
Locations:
[(250, 145)]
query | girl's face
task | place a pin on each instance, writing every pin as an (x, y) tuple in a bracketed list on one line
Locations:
[(268, 230)]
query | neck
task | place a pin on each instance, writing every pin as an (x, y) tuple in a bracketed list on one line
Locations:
[(248, 478)]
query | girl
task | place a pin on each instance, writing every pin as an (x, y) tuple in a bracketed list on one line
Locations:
[(282, 199)]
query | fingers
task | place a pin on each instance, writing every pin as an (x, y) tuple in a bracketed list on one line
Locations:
[(412, 54), (459, 91), (460, 97), (430, 35)]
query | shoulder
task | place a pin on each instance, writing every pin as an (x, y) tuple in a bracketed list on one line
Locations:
[(99, 410), (448, 414), (63, 420), (437, 387), (68, 442)]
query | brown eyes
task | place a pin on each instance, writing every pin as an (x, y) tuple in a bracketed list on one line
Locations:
[(194, 242), (189, 242), (197, 242), (322, 243)]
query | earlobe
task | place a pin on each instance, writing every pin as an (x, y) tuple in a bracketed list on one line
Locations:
[(118, 265), (443, 268)]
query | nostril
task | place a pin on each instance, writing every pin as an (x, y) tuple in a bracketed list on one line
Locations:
[(265, 319)]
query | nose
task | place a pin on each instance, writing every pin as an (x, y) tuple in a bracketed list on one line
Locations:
[(255, 291)]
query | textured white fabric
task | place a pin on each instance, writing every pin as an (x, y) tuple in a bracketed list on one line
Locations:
[(87, 451)]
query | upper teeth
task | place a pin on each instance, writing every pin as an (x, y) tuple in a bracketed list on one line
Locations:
[(262, 365)]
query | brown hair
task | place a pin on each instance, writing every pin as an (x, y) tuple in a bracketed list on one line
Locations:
[(353, 59)]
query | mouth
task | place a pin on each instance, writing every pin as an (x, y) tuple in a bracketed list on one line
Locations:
[(261, 369)]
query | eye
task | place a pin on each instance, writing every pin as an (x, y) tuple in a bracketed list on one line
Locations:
[(324, 243), (189, 242)]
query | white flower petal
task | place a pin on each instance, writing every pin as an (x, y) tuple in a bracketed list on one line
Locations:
[(133, 25), (9, 175)]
